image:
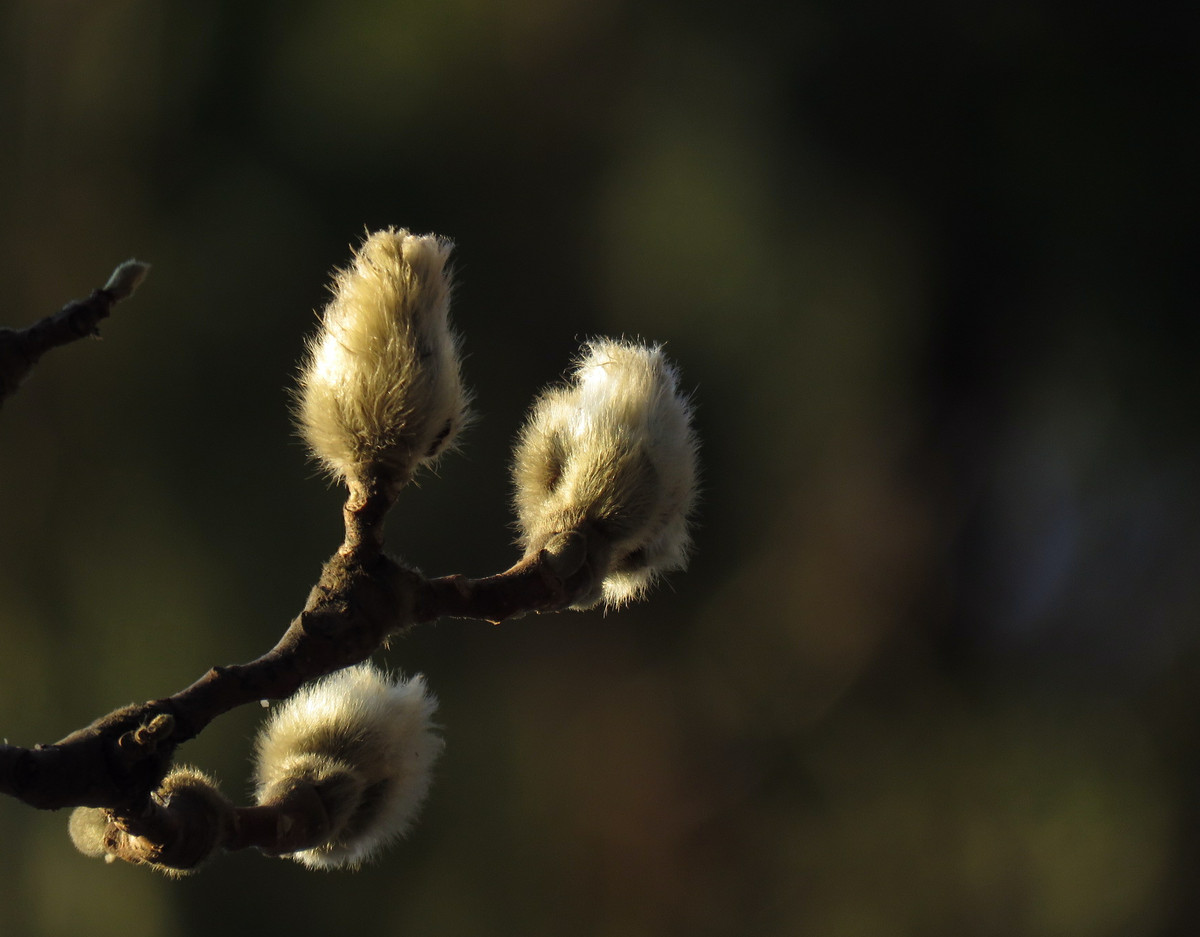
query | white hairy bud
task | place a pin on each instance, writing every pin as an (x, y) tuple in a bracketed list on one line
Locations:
[(127, 278), (365, 743), (380, 392), (611, 453), (88, 827)]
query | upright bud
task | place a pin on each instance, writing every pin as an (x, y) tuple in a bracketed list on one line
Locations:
[(365, 744), (380, 392), (126, 278), (611, 455)]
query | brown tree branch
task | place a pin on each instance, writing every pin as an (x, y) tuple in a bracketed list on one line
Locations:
[(119, 761)]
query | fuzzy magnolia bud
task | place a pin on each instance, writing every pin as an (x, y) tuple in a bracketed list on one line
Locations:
[(366, 745), (205, 812), (126, 278), (194, 817), (88, 827), (611, 454), (380, 392)]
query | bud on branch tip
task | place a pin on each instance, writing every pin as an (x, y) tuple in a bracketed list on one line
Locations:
[(126, 279), (611, 454), (380, 392)]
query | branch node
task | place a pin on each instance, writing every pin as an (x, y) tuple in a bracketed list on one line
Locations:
[(143, 741)]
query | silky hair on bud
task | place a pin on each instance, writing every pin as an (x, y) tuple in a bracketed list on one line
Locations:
[(365, 743), (612, 451), (88, 828), (203, 813), (188, 789), (380, 391)]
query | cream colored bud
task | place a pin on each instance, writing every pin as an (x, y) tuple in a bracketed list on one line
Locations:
[(88, 828), (202, 815), (126, 278), (380, 392), (190, 791), (366, 743), (612, 452)]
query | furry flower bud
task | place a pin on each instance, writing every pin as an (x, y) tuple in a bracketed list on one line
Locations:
[(366, 745), (611, 453), (127, 278), (88, 827), (200, 816), (380, 392)]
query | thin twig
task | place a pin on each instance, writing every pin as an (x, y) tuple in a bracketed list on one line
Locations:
[(20, 349)]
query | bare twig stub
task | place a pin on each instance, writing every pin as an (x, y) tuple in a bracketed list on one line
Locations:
[(21, 349)]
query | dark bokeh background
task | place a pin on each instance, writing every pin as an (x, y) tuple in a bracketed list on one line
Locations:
[(930, 270)]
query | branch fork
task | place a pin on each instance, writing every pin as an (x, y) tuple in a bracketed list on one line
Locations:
[(605, 476)]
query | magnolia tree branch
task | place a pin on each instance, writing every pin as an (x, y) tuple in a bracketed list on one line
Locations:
[(118, 761), (605, 479)]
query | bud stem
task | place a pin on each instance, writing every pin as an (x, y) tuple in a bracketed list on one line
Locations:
[(364, 512)]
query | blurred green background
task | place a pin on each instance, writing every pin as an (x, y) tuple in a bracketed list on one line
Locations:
[(929, 270)]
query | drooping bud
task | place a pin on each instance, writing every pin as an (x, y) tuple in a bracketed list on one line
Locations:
[(365, 744), (380, 392), (611, 454), (191, 822), (204, 814), (88, 827)]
